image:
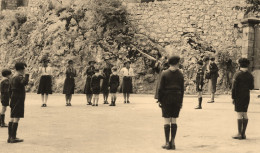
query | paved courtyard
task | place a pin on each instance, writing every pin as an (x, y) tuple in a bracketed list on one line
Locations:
[(130, 128)]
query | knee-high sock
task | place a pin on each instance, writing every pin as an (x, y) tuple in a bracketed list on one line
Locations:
[(200, 101), (239, 125), (167, 132), (173, 131), (14, 130), (245, 121), (10, 127), (2, 119)]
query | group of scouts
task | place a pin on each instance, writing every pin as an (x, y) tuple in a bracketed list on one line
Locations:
[(105, 80), (98, 80), (13, 91), (207, 69), (170, 92)]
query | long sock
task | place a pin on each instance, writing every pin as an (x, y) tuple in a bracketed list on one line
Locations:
[(173, 134), (67, 99), (10, 127), (14, 130), (245, 122), (200, 101), (239, 125), (2, 119), (173, 131), (167, 132)]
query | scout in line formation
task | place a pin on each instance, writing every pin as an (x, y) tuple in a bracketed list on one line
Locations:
[(170, 92), (98, 80), (13, 90)]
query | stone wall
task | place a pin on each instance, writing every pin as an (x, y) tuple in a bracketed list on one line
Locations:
[(212, 23), (183, 27), (167, 21)]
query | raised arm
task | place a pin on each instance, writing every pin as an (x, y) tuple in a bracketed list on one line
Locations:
[(201, 77), (161, 88), (251, 87), (24, 80), (234, 86), (214, 68)]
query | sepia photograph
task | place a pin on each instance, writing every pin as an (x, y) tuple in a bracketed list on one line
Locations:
[(130, 76)]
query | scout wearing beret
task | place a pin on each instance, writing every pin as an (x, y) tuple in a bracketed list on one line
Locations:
[(17, 85), (5, 94), (96, 82), (45, 85), (69, 83), (87, 90), (199, 82), (106, 74), (170, 97), (113, 85), (127, 74), (213, 77), (243, 82)]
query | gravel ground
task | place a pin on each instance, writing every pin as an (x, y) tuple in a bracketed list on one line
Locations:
[(130, 128)]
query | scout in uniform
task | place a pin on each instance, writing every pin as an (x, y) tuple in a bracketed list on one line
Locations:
[(106, 74), (45, 86), (170, 97), (96, 82), (213, 73), (5, 94), (160, 66), (17, 85), (199, 82), (113, 85), (69, 83), (243, 82), (127, 74), (87, 90)]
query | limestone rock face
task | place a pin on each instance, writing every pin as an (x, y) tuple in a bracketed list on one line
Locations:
[(62, 30)]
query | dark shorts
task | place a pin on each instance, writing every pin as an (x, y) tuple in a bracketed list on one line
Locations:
[(17, 106), (5, 100), (241, 104), (113, 88), (170, 111), (171, 103), (105, 86), (96, 90)]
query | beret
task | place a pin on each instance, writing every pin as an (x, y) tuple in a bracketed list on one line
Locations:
[(173, 60), (6, 72), (243, 62), (20, 66)]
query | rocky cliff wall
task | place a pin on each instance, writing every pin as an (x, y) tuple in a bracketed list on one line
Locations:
[(193, 28), (188, 28)]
